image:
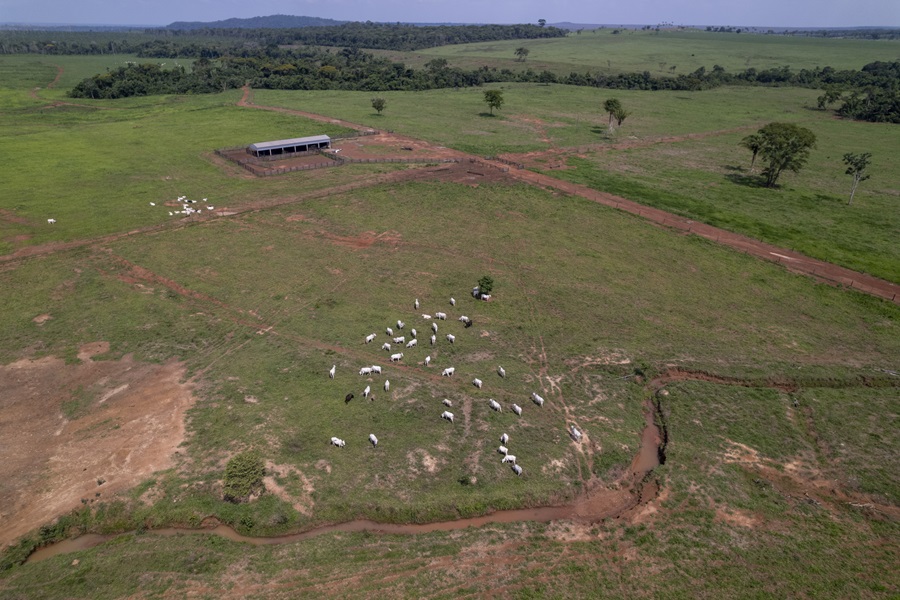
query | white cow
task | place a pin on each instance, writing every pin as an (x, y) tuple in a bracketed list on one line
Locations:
[(386, 346), (517, 409), (413, 332), (51, 221), (399, 339), (504, 439), (400, 324), (416, 304), (389, 331), (396, 357), (433, 340), (517, 469), (412, 342), (452, 301), (331, 371), (575, 433), (447, 402), (426, 317), (427, 360), (376, 369), (485, 297), (501, 371), (434, 327), (509, 458), (477, 383), (448, 371), (373, 439), (537, 399), (463, 319), (496, 405), (367, 391), (440, 315), (365, 371), (447, 415), (503, 450), (370, 337), (387, 385), (451, 337), (335, 441)]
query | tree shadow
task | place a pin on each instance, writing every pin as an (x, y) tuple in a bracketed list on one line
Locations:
[(746, 180), (487, 114)]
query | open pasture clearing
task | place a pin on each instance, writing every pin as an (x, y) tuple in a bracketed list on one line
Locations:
[(601, 51)]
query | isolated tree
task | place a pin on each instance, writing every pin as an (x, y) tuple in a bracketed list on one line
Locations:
[(379, 104), (620, 115), (494, 99), (785, 146), (753, 143), (612, 106), (486, 284), (856, 166), (542, 22), (521, 53)]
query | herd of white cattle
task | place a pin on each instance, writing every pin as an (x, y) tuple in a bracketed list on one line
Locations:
[(187, 208), (479, 383)]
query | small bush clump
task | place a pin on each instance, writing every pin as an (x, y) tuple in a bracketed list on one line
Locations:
[(243, 476)]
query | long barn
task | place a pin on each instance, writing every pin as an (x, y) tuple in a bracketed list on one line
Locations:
[(304, 144)]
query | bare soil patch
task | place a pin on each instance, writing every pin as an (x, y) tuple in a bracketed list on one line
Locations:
[(67, 428)]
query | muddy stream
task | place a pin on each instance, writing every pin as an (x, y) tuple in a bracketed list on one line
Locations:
[(595, 505)]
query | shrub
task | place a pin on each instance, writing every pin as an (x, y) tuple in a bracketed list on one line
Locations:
[(243, 476)]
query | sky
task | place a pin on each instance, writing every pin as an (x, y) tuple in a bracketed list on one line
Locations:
[(761, 13)]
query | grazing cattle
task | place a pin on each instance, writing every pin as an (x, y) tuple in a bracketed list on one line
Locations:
[(413, 332), (501, 371), (485, 297), (387, 385), (416, 304), (51, 221), (476, 292), (335, 441), (370, 337), (452, 301), (446, 402), (400, 339), (331, 371), (389, 331), (396, 357), (373, 439), (517, 409), (426, 317), (376, 369), (367, 391), (448, 371), (365, 371), (400, 324), (537, 399), (509, 458), (386, 346), (477, 383), (503, 450), (447, 415), (433, 340), (517, 469), (412, 342), (504, 439), (468, 323), (496, 405), (427, 360), (348, 398), (463, 319), (451, 337), (441, 316), (434, 327), (575, 433)]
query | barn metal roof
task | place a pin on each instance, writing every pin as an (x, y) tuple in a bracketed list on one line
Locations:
[(313, 139)]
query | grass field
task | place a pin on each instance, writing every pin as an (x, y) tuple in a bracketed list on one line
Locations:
[(601, 51), (589, 304)]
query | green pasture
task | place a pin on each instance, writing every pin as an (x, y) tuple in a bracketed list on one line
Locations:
[(602, 51)]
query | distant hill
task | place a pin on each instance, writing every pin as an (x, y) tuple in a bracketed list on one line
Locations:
[(270, 22)]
